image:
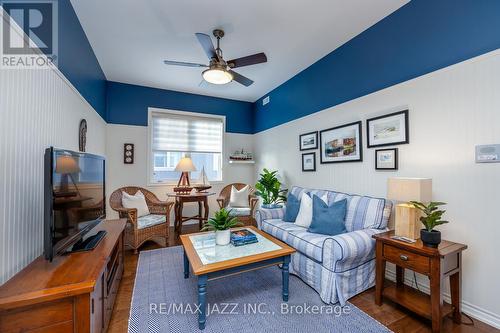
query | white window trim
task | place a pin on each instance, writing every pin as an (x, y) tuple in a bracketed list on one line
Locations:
[(152, 110)]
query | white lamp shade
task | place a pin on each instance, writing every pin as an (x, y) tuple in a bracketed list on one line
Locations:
[(409, 189), (66, 164), (185, 165), (217, 76)]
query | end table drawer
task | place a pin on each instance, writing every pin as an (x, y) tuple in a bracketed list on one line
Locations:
[(407, 259)]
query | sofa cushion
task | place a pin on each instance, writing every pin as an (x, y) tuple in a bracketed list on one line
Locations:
[(137, 201), (307, 243), (238, 211), (292, 208), (363, 212), (150, 220), (239, 198), (304, 218), (328, 219)]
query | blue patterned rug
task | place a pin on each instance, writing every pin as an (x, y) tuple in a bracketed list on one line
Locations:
[(163, 301)]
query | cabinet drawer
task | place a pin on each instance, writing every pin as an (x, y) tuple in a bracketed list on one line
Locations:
[(407, 259), (31, 318)]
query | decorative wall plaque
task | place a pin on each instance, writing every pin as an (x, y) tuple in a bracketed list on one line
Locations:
[(128, 153), (82, 135)]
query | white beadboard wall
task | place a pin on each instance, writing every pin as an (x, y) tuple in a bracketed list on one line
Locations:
[(38, 109), (451, 111)]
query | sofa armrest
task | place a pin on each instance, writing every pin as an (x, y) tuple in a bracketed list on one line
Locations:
[(349, 250), (263, 214)]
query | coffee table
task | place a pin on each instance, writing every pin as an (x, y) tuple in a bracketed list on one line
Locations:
[(209, 261)]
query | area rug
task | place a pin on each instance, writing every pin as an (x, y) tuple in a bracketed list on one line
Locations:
[(163, 301)]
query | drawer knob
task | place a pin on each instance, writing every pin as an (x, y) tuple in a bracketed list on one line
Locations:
[(403, 257)]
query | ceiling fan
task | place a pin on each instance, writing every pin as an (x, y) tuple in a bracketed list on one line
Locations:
[(220, 71)]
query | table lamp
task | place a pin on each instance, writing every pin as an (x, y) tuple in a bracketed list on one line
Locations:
[(185, 166), (65, 166), (407, 221)]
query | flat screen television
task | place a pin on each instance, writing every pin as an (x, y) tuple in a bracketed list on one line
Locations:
[(75, 201)]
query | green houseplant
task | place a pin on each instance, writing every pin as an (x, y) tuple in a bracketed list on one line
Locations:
[(221, 223), (431, 218), (269, 189)]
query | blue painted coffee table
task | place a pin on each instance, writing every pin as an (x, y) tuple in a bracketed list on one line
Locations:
[(209, 261)]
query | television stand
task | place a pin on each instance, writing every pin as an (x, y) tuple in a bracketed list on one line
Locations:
[(89, 243), (74, 293)]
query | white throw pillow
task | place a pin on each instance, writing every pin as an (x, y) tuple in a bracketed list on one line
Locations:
[(239, 198), (305, 215), (135, 201)]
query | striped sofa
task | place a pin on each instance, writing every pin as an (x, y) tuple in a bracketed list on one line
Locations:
[(337, 267)]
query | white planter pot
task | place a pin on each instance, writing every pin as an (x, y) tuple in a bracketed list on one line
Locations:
[(222, 237)]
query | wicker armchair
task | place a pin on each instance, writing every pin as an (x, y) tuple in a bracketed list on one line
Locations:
[(223, 201), (135, 236)]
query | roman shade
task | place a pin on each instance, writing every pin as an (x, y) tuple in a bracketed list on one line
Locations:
[(188, 134)]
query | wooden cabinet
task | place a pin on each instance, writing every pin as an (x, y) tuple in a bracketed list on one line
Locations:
[(74, 293), (436, 263), (97, 306)]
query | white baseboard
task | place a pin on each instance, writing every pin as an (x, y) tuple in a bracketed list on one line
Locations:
[(472, 310)]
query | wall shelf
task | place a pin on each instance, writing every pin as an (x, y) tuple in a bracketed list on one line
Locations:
[(241, 162)]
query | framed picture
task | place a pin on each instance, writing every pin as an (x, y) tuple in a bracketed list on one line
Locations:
[(341, 144), (386, 159), (309, 162), (388, 130), (128, 153), (308, 141)]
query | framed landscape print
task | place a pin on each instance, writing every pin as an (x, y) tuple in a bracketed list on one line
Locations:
[(308, 141), (309, 162), (388, 130), (386, 159), (341, 144)]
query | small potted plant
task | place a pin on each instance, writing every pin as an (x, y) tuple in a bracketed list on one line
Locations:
[(430, 220), (269, 189), (221, 223)]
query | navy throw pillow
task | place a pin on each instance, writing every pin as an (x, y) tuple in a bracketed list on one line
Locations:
[(292, 208), (328, 220)]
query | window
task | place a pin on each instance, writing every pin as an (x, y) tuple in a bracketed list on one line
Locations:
[(174, 136)]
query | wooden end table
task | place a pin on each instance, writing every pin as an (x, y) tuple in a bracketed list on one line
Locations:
[(200, 197), (229, 260), (436, 263)]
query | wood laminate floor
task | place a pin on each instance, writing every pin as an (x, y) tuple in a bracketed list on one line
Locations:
[(391, 315)]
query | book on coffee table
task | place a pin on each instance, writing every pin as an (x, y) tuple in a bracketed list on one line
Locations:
[(243, 237)]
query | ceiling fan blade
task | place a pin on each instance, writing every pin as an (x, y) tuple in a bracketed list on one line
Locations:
[(241, 79), (182, 63), (248, 60), (207, 45)]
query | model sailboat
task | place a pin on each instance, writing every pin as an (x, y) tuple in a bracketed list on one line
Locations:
[(202, 184)]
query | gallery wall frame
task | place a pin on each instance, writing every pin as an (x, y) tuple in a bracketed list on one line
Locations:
[(388, 130), (341, 143), (309, 162), (386, 159), (308, 141)]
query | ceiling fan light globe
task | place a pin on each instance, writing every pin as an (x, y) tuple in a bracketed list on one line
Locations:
[(217, 76)]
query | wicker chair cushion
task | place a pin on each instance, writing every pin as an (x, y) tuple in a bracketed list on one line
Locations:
[(238, 211), (150, 220), (137, 201), (239, 198)]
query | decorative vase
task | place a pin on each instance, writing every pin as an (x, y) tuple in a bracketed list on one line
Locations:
[(222, 237), (430, 238)]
